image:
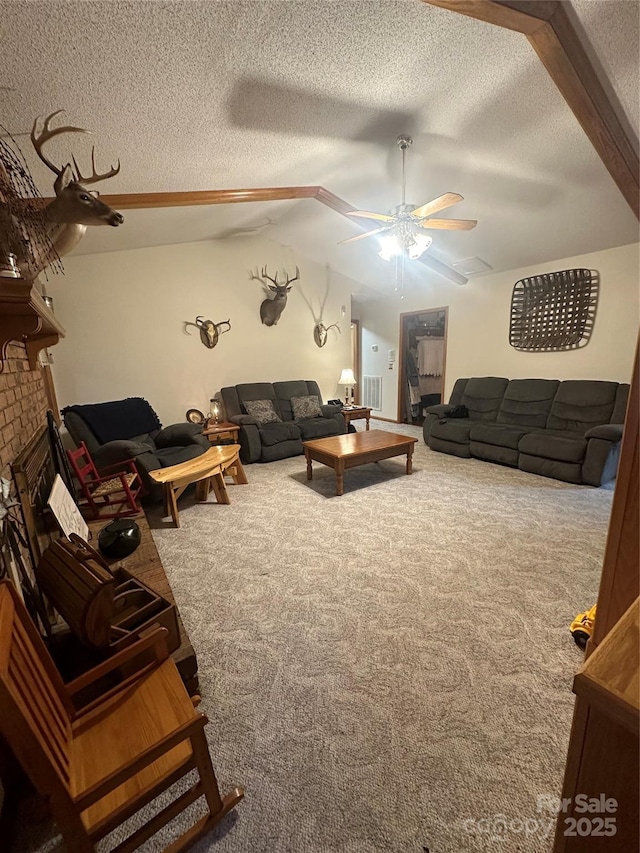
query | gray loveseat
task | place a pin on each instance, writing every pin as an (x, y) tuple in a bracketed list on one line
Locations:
[(284, 430), (569, 430)]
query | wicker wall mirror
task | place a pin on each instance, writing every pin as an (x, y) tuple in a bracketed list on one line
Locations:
[(554, 311)]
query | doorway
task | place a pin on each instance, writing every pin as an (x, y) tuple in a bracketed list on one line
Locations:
[(423, 346)]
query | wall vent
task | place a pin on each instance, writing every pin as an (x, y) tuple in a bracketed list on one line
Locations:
[(372, 392), (471, 266)]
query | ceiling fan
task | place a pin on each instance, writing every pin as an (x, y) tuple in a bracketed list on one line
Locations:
[(405, 224)]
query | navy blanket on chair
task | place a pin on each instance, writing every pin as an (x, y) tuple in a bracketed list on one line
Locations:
[(120, 419)]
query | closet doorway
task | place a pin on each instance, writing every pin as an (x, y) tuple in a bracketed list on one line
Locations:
[(423, 346)]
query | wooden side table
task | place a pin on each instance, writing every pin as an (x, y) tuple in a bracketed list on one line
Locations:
[(357, 413), (225, 431)]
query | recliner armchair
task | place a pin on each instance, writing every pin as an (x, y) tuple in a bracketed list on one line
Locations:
[(130, 429)]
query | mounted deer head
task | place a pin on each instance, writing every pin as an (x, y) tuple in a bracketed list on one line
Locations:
[(320, 332), (209, 331), (74, 207), (273, 306)]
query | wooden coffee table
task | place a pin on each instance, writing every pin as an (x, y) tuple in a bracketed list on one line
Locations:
[(207, 470), (356, 448)]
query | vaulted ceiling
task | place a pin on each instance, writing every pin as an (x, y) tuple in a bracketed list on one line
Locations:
[(207, 95)]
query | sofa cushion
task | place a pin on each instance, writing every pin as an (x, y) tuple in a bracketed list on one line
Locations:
[(561, 445), (482, 396), (275, 432), (456, 430), (262, 411), (281, 450), (494, 453), (580, 404), (305, 407), (527, 402), (570, 472), (499, 435), (318, 427)]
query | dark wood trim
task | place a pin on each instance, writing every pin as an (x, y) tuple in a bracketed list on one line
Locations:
[(620, 582), (561, 49), (523, 17), (50, 391), (357, 358)]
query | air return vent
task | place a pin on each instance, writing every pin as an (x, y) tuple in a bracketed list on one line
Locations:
[(372, 392), (471, 266)]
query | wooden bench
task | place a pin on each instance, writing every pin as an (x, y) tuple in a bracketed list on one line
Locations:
[(207, 470)]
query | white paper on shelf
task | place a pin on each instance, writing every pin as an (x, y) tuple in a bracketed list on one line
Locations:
[(66, 510)]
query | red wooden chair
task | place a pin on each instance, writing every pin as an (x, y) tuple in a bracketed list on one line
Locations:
[(117, 491)]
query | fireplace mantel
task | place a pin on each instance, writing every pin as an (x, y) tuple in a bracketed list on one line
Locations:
[(25, 318)]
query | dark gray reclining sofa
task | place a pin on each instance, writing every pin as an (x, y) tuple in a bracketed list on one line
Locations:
[(266, 442), (569, 430)]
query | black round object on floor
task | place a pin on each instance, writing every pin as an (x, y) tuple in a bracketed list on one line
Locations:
[(119, 538)]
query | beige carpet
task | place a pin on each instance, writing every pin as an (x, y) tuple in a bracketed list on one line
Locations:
[(389, 670)]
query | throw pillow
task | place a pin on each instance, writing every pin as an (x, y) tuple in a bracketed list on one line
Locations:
[(262, 411), (305, 407)]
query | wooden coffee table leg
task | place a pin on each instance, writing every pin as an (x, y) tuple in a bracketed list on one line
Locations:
[(220, 488), (172, 504), (309, 468), (240, 477), (339, 477), (409, 459), (202, 490)]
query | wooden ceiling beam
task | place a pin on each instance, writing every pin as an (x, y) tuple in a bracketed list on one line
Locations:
[(523, 17), (560, 48), (138, 201)]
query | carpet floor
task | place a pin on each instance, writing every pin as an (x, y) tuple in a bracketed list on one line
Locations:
[(389, 670)]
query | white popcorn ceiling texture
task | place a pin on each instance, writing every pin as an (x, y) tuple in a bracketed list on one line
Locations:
[(199, 95)]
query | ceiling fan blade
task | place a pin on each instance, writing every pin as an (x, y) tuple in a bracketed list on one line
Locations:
[(365, 214), (437, 204), (367, 234), (450, 224)]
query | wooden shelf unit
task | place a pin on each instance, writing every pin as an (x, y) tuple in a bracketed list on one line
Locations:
[(25, 318)]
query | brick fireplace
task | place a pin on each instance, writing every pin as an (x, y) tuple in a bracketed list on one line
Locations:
[(23, 405)]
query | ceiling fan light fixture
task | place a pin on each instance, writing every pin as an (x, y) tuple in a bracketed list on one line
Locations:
[(421, 243), (404, 241), (403, 227)]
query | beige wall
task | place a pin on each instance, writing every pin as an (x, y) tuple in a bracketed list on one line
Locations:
[(124, 315), (478, 329)]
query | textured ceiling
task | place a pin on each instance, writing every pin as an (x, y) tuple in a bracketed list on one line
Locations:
[(206, 95)]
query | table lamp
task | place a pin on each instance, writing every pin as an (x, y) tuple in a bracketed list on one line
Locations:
[(348, 380), (215, 410)]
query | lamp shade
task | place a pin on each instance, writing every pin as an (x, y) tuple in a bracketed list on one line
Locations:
[(347, 377)]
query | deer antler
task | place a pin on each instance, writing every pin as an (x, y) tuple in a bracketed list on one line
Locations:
[(273, 280), (96, 176), (295, 278), (47, 133), (39, 139)]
